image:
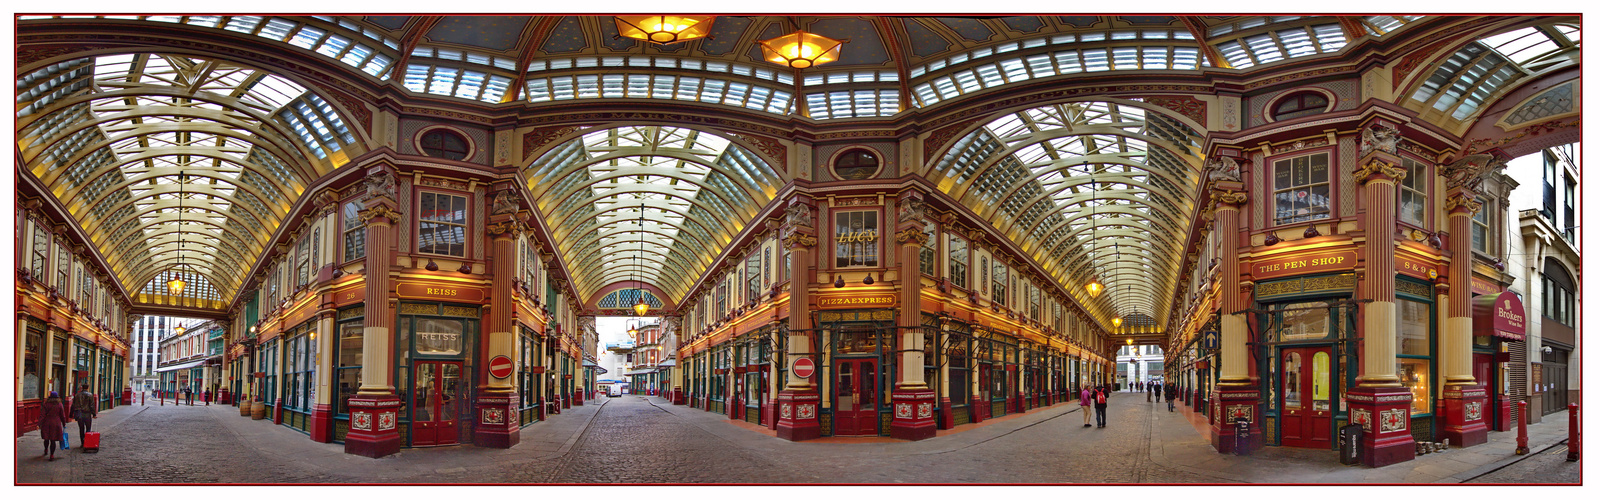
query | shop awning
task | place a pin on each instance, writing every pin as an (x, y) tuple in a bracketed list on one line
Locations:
[(640, 372), (190, 364), (668, 363), (1500, 315)]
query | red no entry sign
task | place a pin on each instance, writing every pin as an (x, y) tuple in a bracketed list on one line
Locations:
[(803, 367), (500, 367)]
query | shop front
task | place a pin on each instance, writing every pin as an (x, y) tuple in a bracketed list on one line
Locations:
[(435, 362), (1499, 322), (859, 371)]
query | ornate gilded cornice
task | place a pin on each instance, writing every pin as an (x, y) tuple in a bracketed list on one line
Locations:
[(384, 211), (911, 234), (1378, 169), (799, 240), (1464, 200)]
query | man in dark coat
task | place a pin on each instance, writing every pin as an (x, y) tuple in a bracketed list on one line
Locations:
[(84, 410), (1102, 394), (52, 423)]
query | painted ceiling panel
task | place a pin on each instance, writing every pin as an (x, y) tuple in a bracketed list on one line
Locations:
[(865, 46), (968, 28), (488, 32), (567, 37), (924, 42), (725, 34)]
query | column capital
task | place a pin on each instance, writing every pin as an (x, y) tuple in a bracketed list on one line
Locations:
[(911, 236), (1229, 199), (1462, 202), (506, 229), (798, 240), (381, 210), (1380, 167)]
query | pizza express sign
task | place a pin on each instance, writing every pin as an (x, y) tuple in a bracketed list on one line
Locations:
[(875, 300), (1303, 263)]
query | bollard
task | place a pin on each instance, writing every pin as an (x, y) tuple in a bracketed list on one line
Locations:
[(1522, 428), (1572, 432)]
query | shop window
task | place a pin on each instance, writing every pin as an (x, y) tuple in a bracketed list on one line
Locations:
[(1300, 189), (302, 265), (958, 261), (1414, 193), (440, 143), (997, 288), (41, 252), (1558, 299), (348, 373), (856, 239), (355, 232), (269, 364), (1480, 228), (1413, 354), (63, 269), (33, 365), (928, 255), (752, 277), (442, 225), (1298, 105), (855, 164)]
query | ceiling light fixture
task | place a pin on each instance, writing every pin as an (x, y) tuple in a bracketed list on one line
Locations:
[(801, 50), (176, 284), (1094, 286), (664, 30), (640, 307)]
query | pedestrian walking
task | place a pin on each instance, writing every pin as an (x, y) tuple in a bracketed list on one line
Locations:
[(1100, 405), (1172, 394), (84, 410), (1149, 392), (1084, 400), (52, 424), (206, 397)]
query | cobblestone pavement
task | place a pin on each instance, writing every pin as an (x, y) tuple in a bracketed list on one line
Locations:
[(1547, 467), (636, 439)]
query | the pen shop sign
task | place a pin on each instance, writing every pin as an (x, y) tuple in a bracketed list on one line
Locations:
[(1303, 263)]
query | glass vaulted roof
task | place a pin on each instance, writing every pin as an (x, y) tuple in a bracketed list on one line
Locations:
[(1086, 189), (175, 165), (647, 203)]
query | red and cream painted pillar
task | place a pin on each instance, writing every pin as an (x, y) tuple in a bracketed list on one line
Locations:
[(321, 425), (1238, 395), (374, 410), (913, 399), (1378, 402), (1464, 397), (798, 402), (498, 424)]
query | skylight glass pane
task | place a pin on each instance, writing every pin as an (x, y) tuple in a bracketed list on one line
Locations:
[(1067, 61), (1096, 60), (333, 46), (1125, 58), (1264, 48), (1297, 42), (276, 29), (818, 105), (307, 37), (443, 80)]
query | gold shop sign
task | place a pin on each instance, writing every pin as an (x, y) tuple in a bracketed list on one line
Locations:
[(439, 292), (1306, 263), (856, 301), (1412, 266), (866, 236)]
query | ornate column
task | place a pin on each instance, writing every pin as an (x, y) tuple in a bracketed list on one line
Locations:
[(1464, 398), (1237, 394), (798, 401), (912, 398), (498, 424), (1379, 403), (374, 410), (321, 423)]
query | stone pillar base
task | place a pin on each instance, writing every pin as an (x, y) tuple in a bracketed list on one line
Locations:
[(374, 426), (127, 396), (1464, 409), (223, 397), (980, 409), (1232, 404), (797, 415), (946, 415), (913, 415), (321, 424), (1385, 414), (678, 398), (497, 422)]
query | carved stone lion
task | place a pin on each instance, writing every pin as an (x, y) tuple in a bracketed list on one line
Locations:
[(504, 203), (911, 209), (1224, 169), (1379, 139), (798, 215), (380, 186)]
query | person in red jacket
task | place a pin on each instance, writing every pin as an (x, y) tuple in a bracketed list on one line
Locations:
[(52, 423)]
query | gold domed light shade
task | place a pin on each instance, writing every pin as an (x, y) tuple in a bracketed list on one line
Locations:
[(1094, 287), (1117, 321), (178, 331), (800, 49), (663, 30), (641, 308)]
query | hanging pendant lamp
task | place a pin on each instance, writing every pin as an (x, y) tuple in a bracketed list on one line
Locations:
[(800, 50), (176, 284), (640, 307), (664, 30), (1094, 286)]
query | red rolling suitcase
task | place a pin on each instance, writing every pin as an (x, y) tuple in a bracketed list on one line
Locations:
[(91, 442)]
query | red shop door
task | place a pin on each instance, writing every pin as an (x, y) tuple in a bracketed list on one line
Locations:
[(855, 406), (1306, 397), (436, 403)]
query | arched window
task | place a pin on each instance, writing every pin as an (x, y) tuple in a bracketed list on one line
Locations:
[(857, 163), (1298, 105), (1558, 297), (440, 143)]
